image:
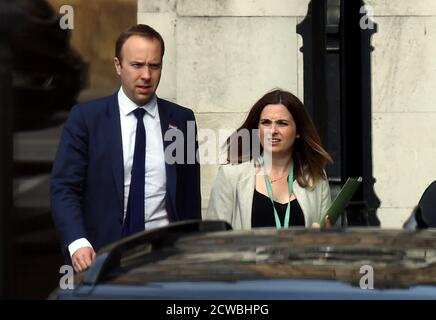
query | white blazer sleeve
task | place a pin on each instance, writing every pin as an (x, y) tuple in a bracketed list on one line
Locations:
[(326, 199), (221, 201)]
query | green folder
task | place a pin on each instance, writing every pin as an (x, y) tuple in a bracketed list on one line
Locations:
[(341, 200)]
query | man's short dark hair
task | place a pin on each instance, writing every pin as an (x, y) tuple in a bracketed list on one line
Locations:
[(141, 30)]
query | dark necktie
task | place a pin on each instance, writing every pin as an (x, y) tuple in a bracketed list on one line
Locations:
[(134, 221)]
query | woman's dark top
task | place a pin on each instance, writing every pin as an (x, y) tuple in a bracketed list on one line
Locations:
[(262, 213)]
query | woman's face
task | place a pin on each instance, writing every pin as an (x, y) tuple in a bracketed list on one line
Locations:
[(277, 129)]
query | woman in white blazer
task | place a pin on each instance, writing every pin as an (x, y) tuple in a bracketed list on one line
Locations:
[(280, 181)]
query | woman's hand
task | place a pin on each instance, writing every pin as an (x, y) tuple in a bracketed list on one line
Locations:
[(328, 223)]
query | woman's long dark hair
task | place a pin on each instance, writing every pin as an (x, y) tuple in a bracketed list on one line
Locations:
[(309, 157)]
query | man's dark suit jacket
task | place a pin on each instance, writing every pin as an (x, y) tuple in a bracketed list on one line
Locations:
[(87, 186)]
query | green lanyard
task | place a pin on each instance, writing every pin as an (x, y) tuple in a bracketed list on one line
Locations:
[(270, 194)]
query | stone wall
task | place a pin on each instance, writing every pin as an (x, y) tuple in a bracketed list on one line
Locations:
[(404, 104)]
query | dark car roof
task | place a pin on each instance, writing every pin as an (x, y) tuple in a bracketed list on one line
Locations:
[(199, 263)]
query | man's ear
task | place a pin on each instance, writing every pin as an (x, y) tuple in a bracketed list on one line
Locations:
[(118, 66)]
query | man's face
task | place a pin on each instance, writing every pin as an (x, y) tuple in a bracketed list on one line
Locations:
[(140, 68)]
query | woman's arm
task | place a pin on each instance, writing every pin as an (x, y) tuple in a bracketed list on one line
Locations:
[(221, 200)]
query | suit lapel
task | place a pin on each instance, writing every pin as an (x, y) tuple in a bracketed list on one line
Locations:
[(166, 116), (116, 147)]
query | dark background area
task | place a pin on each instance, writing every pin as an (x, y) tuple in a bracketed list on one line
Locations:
[(45, 71)]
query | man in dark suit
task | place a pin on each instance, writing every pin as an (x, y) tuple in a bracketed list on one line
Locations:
[(125, 162)]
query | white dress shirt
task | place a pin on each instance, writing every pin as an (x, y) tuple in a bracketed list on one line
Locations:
[(155, 214)]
